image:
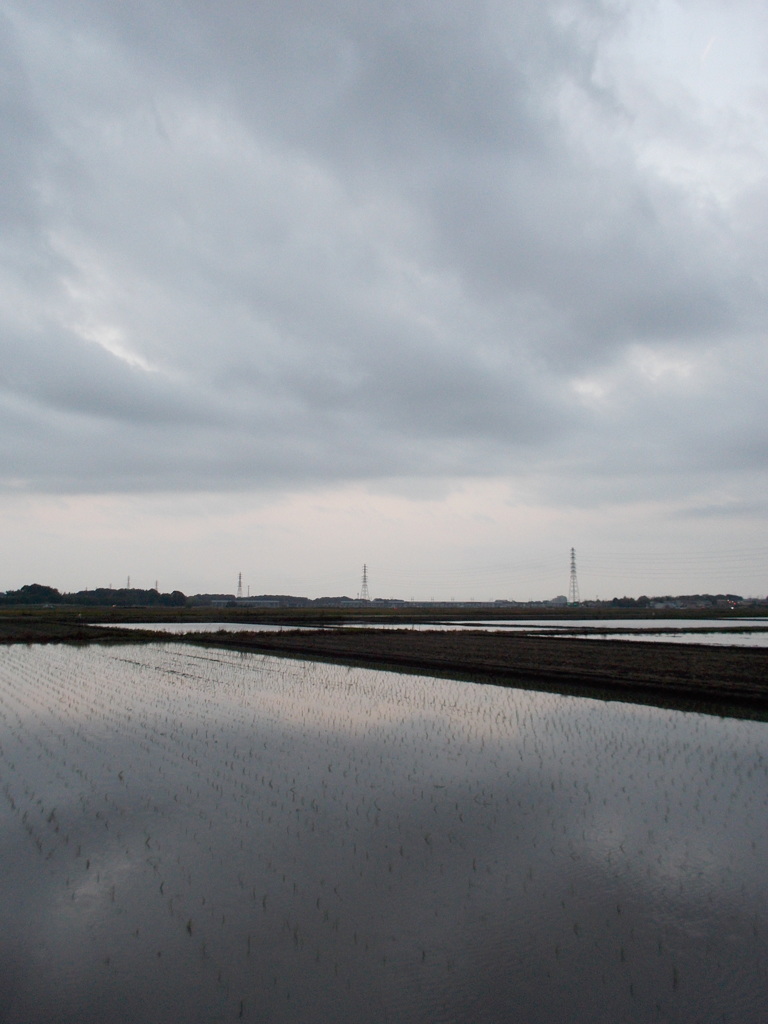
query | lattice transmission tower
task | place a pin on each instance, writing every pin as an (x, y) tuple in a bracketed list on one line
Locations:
[(573, 586), (364, 588)]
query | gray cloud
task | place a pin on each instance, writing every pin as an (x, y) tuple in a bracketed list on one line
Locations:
[(250, 245)]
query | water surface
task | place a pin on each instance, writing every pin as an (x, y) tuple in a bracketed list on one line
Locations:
[(210, 836), (740, 633)]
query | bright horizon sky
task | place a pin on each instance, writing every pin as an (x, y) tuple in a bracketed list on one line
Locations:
[(443, 288)]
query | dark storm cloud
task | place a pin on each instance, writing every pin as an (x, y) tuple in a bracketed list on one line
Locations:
[(258, 244)]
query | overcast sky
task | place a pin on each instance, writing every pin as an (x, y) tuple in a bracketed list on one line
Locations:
[(442, 287)]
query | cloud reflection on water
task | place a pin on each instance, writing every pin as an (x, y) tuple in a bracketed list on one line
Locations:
[(299, 841)]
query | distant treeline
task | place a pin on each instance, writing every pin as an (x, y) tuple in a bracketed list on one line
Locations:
[(35, 593), (682, 599)]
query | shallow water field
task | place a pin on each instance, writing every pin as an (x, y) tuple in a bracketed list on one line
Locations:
[(678, 631), (200, 835)]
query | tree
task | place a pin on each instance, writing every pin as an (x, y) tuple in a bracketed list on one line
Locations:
[(33, 593)]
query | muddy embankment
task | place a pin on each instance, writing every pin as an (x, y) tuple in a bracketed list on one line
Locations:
[(715, 679), (658, 673), (41, 629)]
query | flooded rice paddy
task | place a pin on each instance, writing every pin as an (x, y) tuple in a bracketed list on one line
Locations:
[(205, 627), (727, 632), (200, 835), (714, 637)]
